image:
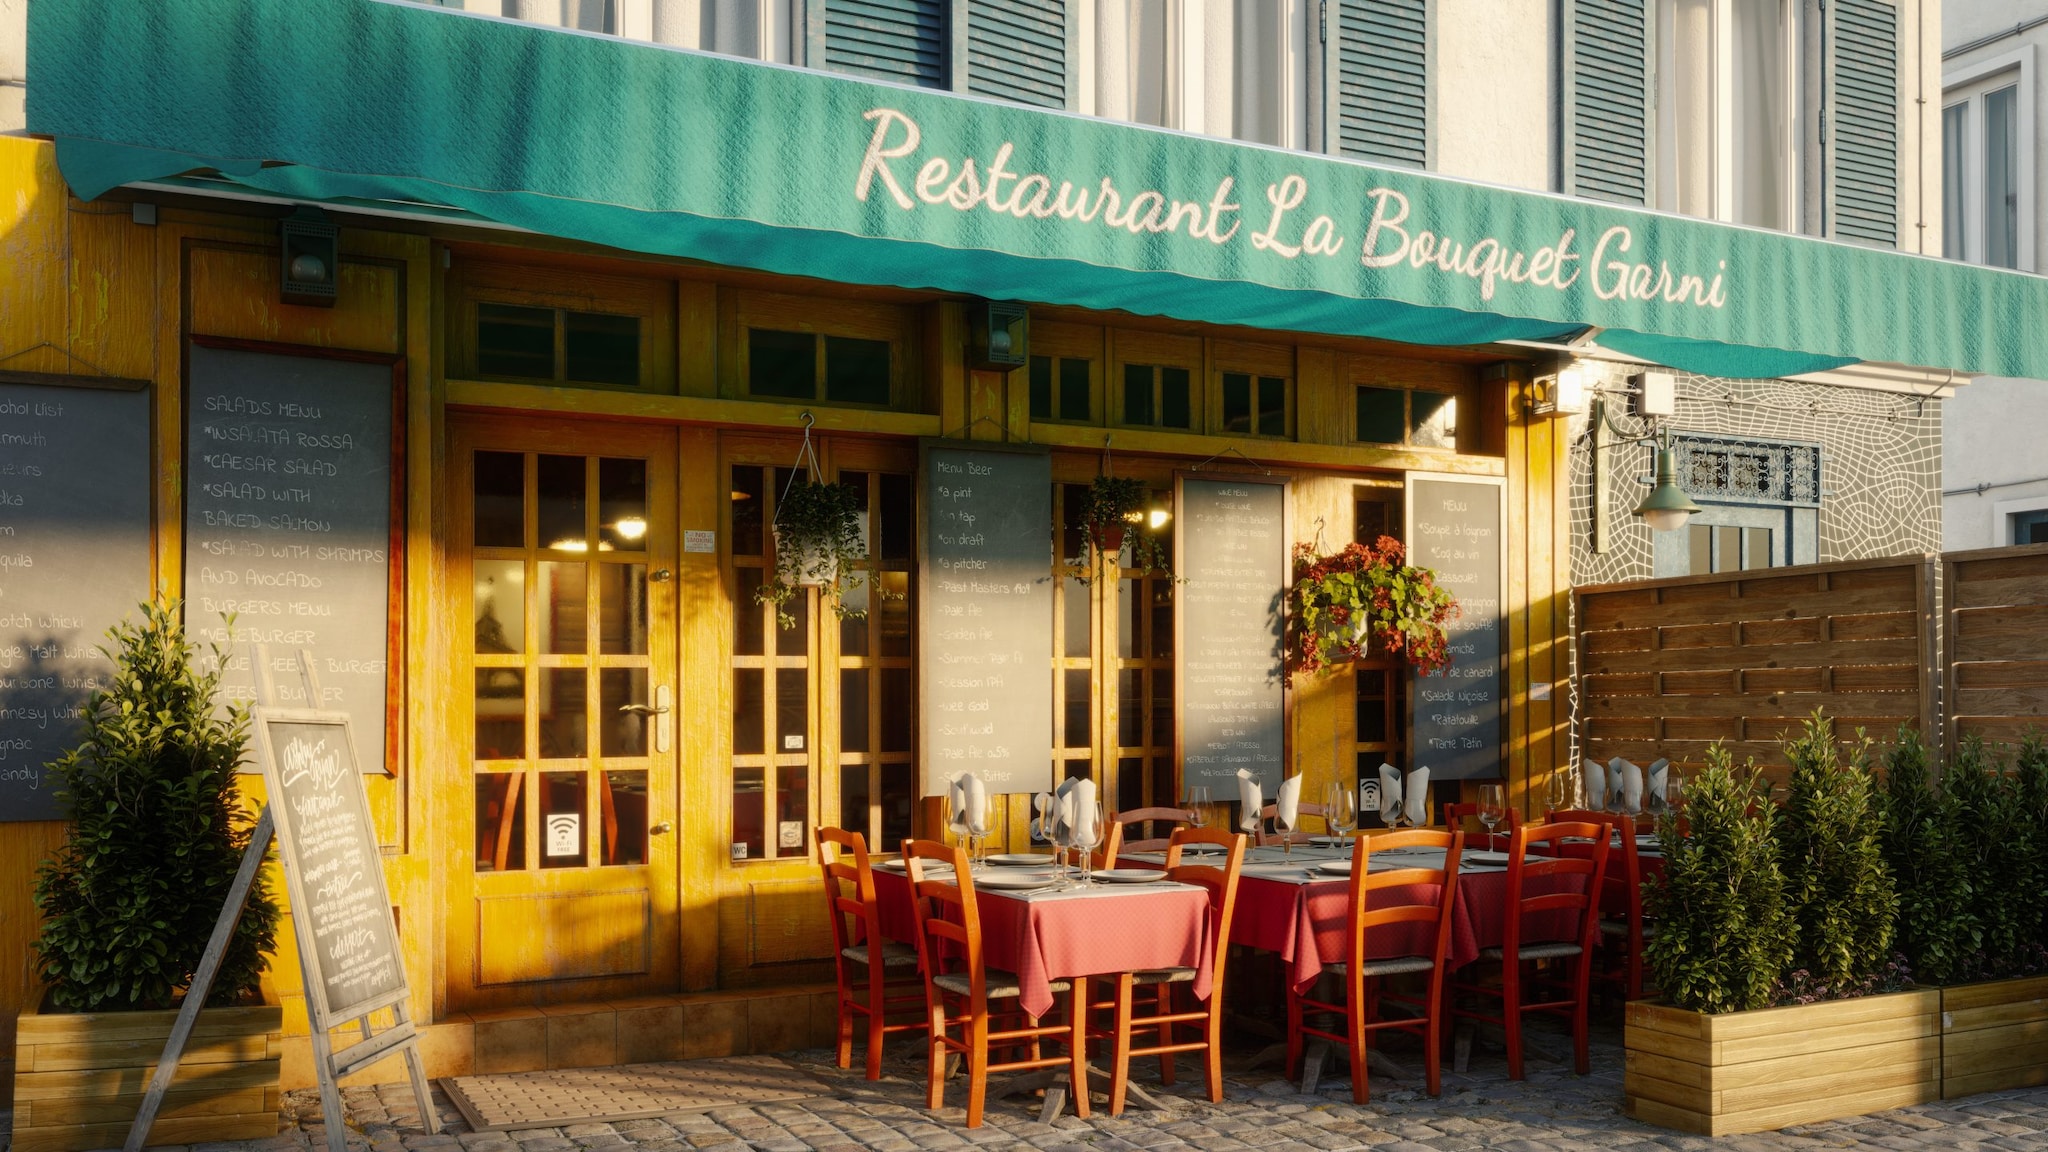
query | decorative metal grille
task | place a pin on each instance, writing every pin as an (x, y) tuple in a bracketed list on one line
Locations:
[(1744, 470)]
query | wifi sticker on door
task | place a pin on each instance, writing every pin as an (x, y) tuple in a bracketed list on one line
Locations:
[(565, 834)]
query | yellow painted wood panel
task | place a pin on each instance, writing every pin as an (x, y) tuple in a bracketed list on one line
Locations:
[(233, 293)]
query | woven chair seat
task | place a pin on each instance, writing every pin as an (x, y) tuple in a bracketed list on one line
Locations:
[(894, 955), (1395, 966), (1001, 985), (1164, 976), (1533, 952)]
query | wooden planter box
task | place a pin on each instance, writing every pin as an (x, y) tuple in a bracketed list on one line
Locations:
[(79, 1078), (1994, 1036), (1755, 1071)]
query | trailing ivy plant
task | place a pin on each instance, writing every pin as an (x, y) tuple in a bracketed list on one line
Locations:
[(1112, 518), (1724, 927), (158, 833), (818, 541), (1927, 847), (1831, 847)]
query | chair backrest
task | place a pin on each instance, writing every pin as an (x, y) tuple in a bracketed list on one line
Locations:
[(1116, 845), (849, 889), (1621, 890), (948, 927), (1221, 883), (1556, 889), (1368, 913), (1455, 815), (1268, 811)]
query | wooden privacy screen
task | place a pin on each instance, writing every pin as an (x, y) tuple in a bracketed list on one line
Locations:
[(1669, 666), (1997, 650)]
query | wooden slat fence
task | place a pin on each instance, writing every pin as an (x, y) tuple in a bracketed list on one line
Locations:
[(1996, 639), (1667, 667)]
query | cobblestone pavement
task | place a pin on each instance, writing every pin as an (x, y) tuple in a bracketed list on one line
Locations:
[(1482, 1109)]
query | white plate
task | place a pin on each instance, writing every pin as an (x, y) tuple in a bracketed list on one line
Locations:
[(1485, 858), (931, 868), (1129, 875), (1200, 850), (1021, 860), (1335, 868), (1013, 881)]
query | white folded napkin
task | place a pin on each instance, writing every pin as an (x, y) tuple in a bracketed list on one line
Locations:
[(1415, 805), (956, 803), (1390, 794), (1287, 805), (977, 805), (1080, 803), (1617, 782), (1040, 803), (1594, 779), (1250, 799), (1631, 787), (1660, 776)]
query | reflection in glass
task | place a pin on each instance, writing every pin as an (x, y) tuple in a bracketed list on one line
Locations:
[(853, 710), (515, 341), (500, 606), (564, 712), (500, 500), (897, 709), (2002, 178), (561, 503), (1162, 706), (856, 371), (1382, 415), (622, 609), (1162, 619), (792, 710), (782, 364), (899, 789), (1077, 712), (792, 809), (1130, 707), (500, 821), (1955, 126), (794, 640), (1435, 418), (622, 732), (854, 796), (749, 707), (500, 714), (749, 812), (853, 630), (1073, 498), (622, 505), (746, 510), (1130, 783), (1075, 619), (747, 612), (1138, 394), (601, 349), (895, 613), (564, 825), (562, 623), (899, 515), (1174, 410), (624, 816)]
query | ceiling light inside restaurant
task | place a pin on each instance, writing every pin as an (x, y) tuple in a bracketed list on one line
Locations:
[(568, 545), (631, 528)]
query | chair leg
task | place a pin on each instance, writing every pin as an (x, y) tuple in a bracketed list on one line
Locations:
[(846, 1028), (1356, 1015), (1212, 1056), (1162, 1005), (1120, 1052), (935, 1060), (1511, 1012), (1433, 1032), (977, 1067), (1077, 1046), (1582, 1057), (878, 1016)]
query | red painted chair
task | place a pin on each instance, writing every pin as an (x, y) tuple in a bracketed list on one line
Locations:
[(1456, 814), (1549, 886), (1623, 928), (1362, 977), (859, 964), (1116, 845)]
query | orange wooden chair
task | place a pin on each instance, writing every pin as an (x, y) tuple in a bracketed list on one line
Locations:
[(1221, 883), (862, 960), (1623, 929), (959, 986), (1297, 836), (1116, 845), (1553, 892), (1456, 814), (1362, 977)]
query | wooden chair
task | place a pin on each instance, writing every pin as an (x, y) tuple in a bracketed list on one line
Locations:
[(1580, 901), (861, 959), (1362, 977), (1456, 814), (1267, 812), (1622, 926), (959, 986), (1221, 883), (1116, 845)]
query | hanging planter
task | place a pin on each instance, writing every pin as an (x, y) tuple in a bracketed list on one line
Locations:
[(1113, 506), (1365, 601), (819, 541)]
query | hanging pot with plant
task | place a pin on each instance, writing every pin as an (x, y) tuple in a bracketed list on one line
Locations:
[(818, 541), (1365, 600), (1113, 506)]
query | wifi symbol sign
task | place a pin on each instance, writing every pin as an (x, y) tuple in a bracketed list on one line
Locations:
[(565, 834)]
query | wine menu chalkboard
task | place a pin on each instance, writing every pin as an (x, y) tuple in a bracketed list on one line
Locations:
[(288, 526), (1454, 527), (985, 602), (74, 561), (1230, 540), (334, 874)]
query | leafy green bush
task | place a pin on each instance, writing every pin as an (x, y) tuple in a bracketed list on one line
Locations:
[(1997, 847), (1831, 847), (1926, 847), (1724, 927), (2030, 772), (130, 899)]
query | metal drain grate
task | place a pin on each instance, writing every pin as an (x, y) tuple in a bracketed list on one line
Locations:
[(628, 1092)]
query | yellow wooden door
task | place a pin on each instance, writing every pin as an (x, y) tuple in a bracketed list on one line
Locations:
[(563, 873)]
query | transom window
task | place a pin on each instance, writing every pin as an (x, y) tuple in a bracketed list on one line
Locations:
[(1255, 405), (557, 345), (807, 366), (1406, 416), (1157, 395), (1060, 389)]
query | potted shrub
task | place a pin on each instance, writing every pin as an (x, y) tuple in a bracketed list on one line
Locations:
[(1742, 1041), (1113, 506), (818, 544), (1363, 600), (128, 904)]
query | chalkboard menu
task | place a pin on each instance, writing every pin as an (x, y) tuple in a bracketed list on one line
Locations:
[(334, 875), (288, 526), (74, 561), (1454, 527), (984, 584), (1230, 539)]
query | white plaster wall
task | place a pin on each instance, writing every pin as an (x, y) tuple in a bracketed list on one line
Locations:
[(1994, 432), (1965, 20), (1494, 69)]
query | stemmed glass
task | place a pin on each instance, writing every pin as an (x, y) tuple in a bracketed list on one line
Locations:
[(1049, 831), (1493, 808), (1198, 803), (1560, 791), (1085, 839), (1340, 809)]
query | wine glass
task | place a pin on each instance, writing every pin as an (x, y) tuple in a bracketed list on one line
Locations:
[(1049, 831), (1560, 791), (1085, 838), (1493, 808), (1198, 803), (1342, 810), (1285, 828)]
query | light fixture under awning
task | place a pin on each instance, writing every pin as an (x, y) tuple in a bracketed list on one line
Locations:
[(665, 151)]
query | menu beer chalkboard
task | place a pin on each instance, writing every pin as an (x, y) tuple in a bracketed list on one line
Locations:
[(1454, 527), (288, 525), (74, 561), (984, 584), (1230, 543)]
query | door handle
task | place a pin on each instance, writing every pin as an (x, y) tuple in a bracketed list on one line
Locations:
[(644, 709), (661, 829), (659, 710)]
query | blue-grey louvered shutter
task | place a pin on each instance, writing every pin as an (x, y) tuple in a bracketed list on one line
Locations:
[(1377, 79), (901, 40), (1017, 50), (1862, 123), (1607, 100)]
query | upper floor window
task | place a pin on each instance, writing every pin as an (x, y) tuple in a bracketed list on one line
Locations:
[(1987, 164), (584, 15), (1725, 122)]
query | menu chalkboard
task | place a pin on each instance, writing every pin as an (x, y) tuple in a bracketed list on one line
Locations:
[(1454, 527), (1230, 542), (984, 583), (74, 561), (288, 525), (334, 875)]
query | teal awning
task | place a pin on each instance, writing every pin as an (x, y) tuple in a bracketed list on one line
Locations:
[(689, 154)]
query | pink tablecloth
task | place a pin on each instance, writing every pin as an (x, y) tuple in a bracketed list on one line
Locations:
[(1047, 936)]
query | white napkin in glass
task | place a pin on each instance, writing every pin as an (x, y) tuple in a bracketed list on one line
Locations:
[(977, 805), (1660, 776), (1631, 787), (1287, 805), (1415, 804), (1390, 794), (956, 803), (1249, 799), (1594, 779), (1063, 807), (1040, 803), (1080, 804), (1617, 781)]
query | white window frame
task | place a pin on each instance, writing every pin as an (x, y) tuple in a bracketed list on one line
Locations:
[(1967, 86), (1722, 61), (2003, 511)]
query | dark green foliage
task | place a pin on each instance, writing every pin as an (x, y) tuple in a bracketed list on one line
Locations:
[(1724, 927), (130, 899), (2030, 771), (1926, 847), (1997, 847), (1831, 847)]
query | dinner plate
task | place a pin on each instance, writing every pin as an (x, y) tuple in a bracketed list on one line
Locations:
[(1129, 875), (1021, 860), (896, 864), (1486, 858), (1202, 849), (1014, 881), (1335, 868)]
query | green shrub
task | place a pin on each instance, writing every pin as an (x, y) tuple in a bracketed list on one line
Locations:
[(1997, 846), (130, 899), (1926, 847), (1724, 928), (1831, 847), (2030, 769)]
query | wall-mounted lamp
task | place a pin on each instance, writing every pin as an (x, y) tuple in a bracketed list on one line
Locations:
[(310, 262), (1667, 507), (999, 336), (1562, 394)]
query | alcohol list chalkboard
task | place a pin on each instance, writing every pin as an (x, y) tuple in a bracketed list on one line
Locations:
[(334, 874), (74, 561), (288, 525), (1454, 527), (984, 585), (1230, 542)]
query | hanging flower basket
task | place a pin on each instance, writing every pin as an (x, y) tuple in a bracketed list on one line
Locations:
[(818, 544), (1365, 601), (1114, 505)]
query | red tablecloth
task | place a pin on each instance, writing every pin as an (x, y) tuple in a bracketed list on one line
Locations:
[(1054, 936)]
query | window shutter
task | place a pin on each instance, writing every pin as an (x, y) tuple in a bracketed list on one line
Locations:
[(1017, 50), (1862, 123), (1607, 100), (1378, 53), (901, 40)]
